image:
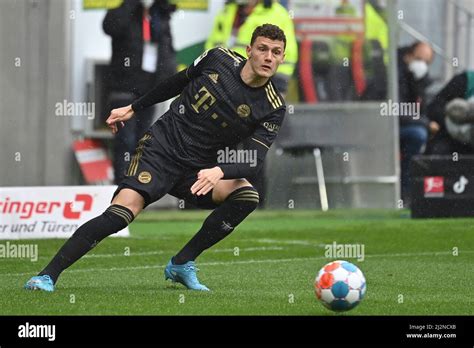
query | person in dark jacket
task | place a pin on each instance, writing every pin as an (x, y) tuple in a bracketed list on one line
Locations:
[(166, 65), (124, 25), (460, 86), (413, 63), (136, 28)]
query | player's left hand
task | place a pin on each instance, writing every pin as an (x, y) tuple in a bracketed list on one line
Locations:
[(207, 179)]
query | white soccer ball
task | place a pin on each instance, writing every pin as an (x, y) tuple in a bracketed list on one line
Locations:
[(340, 285)]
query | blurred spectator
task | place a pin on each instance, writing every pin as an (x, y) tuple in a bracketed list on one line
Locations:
[(160, 13), (450, 109), (136, 28), (413, 64), (341, 84), (166, 66), (234, 25), (345, 8), (125, 26), (375, 52)]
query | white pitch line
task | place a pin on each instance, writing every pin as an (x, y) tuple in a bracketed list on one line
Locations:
[(247, 249), (160, 252), (277, 241), (219, 263)]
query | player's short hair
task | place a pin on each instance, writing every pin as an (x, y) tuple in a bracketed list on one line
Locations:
[(269, 31)]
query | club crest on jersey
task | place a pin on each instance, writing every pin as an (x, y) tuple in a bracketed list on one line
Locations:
[(144, 177), (244, 110)]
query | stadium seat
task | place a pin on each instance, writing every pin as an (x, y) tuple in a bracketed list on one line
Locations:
[(290, 142)]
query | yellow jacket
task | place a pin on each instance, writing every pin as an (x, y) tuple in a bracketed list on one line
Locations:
[(375, 29), (277, 15)]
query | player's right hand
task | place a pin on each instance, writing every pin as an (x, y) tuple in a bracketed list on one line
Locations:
[(434, 127), (118, 117)]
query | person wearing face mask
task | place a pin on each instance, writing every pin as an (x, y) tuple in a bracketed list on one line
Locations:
[(453, 109), (413, 79)]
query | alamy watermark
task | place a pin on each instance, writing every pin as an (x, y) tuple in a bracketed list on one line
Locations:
[(19, 251), (28, 330), (344, 251), (237, 156), (71, 109), (398, 109)]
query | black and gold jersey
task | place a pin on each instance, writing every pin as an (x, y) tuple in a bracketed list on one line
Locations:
[(217, 110)]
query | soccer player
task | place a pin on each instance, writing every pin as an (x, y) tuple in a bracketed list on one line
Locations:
[(224, 99)]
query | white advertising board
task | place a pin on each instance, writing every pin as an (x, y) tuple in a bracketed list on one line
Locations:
[(315, 18), (51, 211)]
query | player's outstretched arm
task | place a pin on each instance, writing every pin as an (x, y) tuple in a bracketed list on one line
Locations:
[(164, 90), (173, 85)]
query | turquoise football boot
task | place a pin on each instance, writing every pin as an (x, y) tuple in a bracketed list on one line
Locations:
[(43, 282), (184, 274)]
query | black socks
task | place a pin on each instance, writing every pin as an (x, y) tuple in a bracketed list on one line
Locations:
[(220, 223), (86, 237)]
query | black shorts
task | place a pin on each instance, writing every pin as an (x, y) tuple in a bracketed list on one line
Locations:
[(153, 174)]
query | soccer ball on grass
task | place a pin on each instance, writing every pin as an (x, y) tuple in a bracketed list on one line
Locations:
[(340, 285)]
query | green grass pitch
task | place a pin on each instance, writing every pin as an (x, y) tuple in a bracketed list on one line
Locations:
[(266, 267)]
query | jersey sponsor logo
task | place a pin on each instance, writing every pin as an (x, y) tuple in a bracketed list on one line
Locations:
[(244, 110), (214, 77), (144, 177), (204, 99), (271, 127)]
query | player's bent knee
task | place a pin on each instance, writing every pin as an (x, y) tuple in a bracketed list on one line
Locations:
[(130, 199), (225, 187), (247, 195), (113, 219)]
